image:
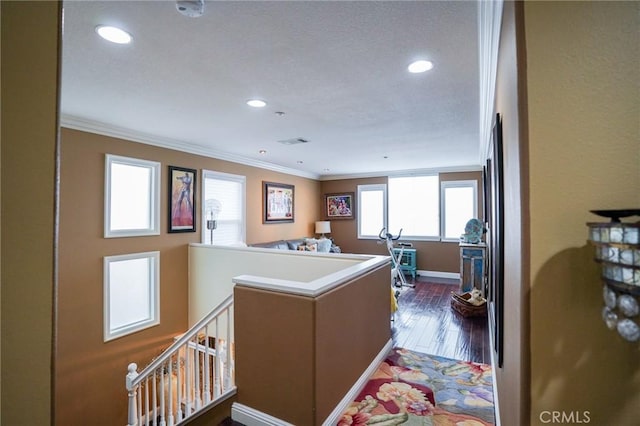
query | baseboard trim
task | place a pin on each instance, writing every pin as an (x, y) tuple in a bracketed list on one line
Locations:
[(333, 418), (494, 367), (252, 417), (438, 274)]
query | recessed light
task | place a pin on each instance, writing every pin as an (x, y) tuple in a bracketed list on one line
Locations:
[(114, 34), (420, 66), (256, 103), (262, 151)]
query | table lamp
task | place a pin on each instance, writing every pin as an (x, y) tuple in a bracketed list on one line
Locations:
[(323, 227)]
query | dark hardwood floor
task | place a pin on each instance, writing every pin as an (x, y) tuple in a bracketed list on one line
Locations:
[(426, 323)]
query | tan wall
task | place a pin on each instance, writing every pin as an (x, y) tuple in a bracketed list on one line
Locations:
[(512, 378), (30, 34), (584, 153), (431, 255), (90, 373), (311, 350), (352, 326)]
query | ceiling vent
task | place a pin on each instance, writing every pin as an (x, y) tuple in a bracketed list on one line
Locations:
[(294, 141)]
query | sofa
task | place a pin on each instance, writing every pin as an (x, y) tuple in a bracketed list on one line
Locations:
[(303, 244)]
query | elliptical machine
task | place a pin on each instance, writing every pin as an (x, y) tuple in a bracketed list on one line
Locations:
[(397, 276)]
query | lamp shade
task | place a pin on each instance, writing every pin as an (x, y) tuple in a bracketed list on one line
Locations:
[(323, 227)]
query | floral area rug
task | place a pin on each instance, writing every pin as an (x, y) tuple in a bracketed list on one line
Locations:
[(410, 388)]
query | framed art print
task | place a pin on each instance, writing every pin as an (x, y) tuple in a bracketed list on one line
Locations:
[(278, 202), (182, 205), (339, 206)]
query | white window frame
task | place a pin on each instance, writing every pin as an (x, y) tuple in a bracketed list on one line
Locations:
[(153, 292), (444, 185), (242, 180), (153, 195), (372, 187)]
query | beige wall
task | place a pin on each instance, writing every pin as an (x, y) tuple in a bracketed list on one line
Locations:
[(431, 255), (584, 153), (83, 359), (512, 378), (30, 34)]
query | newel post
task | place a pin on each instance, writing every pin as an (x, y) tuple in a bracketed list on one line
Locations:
[(131, 375)]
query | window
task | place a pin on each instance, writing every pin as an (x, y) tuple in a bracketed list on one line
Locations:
[(223, 209), (414, 206), (131, 293), (372, 211), (132, 197), (459, 204), (422, 206)]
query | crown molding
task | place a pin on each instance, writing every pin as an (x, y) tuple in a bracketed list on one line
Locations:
[(455, 169), (489, 26), (91, 126)]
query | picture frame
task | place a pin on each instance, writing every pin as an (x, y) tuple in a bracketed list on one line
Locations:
[(339, 205), (182, 199), (278, 200), (496, 239)]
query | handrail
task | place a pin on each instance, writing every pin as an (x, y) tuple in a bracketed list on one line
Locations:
[(226, 303), (193, 373)]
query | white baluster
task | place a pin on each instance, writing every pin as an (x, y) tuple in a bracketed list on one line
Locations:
[(196, 374), (170, 378), (163, 421), (189, 405), (216, 383), (206, 379), (155, 398), (227, 369), (180, 391), (146, 399), (131, 375)]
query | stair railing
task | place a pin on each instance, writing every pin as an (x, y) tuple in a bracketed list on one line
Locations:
[(196, 371)]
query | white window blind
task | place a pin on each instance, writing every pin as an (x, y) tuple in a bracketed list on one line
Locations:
[(224, 203)]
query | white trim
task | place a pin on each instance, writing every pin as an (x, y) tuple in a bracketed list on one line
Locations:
[(393, 173), (447, 184), (153, 258), (252, 417), (85, 125), (153, 187), (376, 187), (489, 25), (333, 418), (496, 405), (438, 274)]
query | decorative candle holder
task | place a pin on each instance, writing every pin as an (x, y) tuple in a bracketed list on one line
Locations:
[(618, 252)]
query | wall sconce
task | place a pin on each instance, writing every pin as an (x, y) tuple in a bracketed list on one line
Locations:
[(618, 252), (323, 227)]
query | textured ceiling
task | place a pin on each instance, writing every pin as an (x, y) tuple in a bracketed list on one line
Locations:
[(336, 69)]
